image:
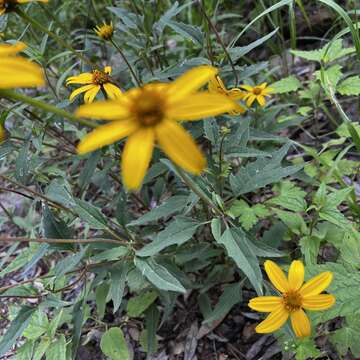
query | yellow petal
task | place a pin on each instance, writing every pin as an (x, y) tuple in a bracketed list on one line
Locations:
[(107, 70), (201, 105), (265, 303), (9, 49), (236, 94), (27, 1), (247, 88), (2, 134), (180, 147), (250, 100), (84, 78), (261, 100), (216, 85), (273, 321), (276, 276), (106, 135), (136, 157), (190, 81), (300, 323), (237, 110), (262, 86), (112, 91), (91, 93), (79, 91), (106, 110), (318, 302), (16, 71), (317, 284), (296, 275)]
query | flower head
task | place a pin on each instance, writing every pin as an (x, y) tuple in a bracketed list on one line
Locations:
[(8, 5), (295, 296), (94, 82), (149, 115), (216, 85), (105, 31), (17, 71), (257, 93)]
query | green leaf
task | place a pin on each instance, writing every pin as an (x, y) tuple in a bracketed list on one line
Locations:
[(262, 172), (113, 344), (330, 76), (293, 221), (101, 293), (187, 31), (90, 214), (25, 352), (16, 328), (305, 349), (158, 275), (170, 206), (288, 84), (117, 284), (248, 216), (38, 325), (350, 86), (57, 350), (152, 317), (111, 254), (69, 262), (22, 166), (41, 348), (138, 304), (237, 247), (88, 171), (230, 297), (178, 232), (290, 197)]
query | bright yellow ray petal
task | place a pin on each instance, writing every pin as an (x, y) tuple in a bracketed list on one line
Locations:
[(273, 321), (9, 49), (262, 86), (201, 105), (19, 72), (106, 135), (276, 276), (112, 91), (300, 323), (84, 78), (27, 1), (106, 110), (107, 70), (318, 302), (261, 100), (247, 87), (2, 134), (216, 85), (180, 147), (250, 100), (91, 93), (317, 284), (136, 157), (190, 81), (296, 275), (265, 303), (80, 90)]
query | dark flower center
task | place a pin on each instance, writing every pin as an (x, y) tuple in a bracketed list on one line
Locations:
[(100, 77), (257, 91), (149, 108), (292, 301)]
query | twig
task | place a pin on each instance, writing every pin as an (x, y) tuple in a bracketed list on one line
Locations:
[(62, 241)]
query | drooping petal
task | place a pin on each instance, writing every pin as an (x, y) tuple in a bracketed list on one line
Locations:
[(136, 157), (10, 49), (261, 100), (82, 79), (296, 275), (80, 90), (276, 276), (112, 91), (190, 82), (318, 302), (106, 135), (317, 284), (265, 303), (16, 71), (236, 94), (180, 147), (300, 323), (91, 93), (273, 321), (106, 110), (200, 105)]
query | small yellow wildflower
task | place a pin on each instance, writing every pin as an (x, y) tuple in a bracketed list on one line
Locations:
[(105, 31), (15, 71), (151, 114), (295, 296), (257, 93), (8, 5), (216, 85), (94, 82)]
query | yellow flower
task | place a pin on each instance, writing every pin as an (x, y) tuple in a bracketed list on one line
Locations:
[(151, 114), (256, 93), (95, 81), (8, 5), (16, 71), (104, 31), (216, 85), (295, 296), (2, 133)]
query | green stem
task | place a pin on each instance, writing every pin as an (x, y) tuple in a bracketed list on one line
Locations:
[(11, 94), (57, 38), (193, 187), (138, 82)]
